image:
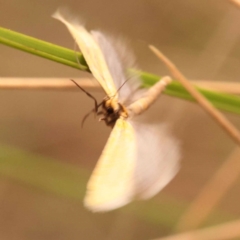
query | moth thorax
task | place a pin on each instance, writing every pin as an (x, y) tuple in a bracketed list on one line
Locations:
[(112, 110)]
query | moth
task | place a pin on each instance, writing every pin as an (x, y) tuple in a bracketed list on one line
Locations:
[(138, 159)]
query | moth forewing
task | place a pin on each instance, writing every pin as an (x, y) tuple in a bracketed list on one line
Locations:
[(119, 59), (111, 184), (91, 52)]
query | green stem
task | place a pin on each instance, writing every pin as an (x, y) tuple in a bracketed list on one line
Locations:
[(226, 102)]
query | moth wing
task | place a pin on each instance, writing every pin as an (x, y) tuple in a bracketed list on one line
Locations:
[(120, 60), (91, 52), (158, 158), (110, 185)]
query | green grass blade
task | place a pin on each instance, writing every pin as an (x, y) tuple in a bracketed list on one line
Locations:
[(223, 101), (226, 102), (42, 49), (42, 173), (68, 181)]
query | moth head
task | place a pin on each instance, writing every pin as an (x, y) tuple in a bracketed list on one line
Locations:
[(111, 106), (112, 110)]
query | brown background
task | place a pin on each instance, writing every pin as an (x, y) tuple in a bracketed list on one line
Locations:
[(201, 37)]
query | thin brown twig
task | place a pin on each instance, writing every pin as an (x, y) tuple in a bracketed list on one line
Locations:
[(211, 194), (46, 83), (206, 105), (90, 83), (224, 231)]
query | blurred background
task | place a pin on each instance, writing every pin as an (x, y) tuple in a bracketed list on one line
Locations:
[(45, 155)]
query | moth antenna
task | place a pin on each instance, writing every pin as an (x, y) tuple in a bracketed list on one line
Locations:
[(90, 95), (95, 110), (121, 86)]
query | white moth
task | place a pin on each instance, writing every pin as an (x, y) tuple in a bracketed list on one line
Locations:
[(138, 159)]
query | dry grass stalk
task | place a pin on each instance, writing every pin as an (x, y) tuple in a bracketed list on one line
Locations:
[(203, 102), (89, 83), (211, 194), (208, 197), (46, 83), (221, 232)]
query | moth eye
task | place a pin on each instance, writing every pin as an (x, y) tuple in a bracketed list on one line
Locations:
[(110, 110)]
